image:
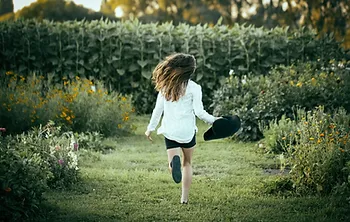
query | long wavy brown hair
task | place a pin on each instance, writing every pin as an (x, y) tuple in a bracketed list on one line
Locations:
[(172, 74)]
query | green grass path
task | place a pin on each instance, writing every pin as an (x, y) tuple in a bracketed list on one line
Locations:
[(132, 183)]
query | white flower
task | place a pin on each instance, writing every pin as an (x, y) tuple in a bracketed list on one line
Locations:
[(231, 72), (93, 88), (244, 80), (73, 163)]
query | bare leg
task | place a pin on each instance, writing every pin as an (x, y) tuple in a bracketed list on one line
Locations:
[(187, 173), (171, 153)]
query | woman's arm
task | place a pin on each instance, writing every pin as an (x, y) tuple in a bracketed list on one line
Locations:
[(198, 107), (157, 113)]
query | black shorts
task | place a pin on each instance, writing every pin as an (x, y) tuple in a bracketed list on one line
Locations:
[(173, 144)]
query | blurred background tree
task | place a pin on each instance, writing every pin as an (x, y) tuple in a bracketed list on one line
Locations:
[(6, 6), (58, 10), (325, 16), (6, 9)]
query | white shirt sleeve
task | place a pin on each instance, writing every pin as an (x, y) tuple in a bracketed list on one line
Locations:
[(157, 113), (198, 106)]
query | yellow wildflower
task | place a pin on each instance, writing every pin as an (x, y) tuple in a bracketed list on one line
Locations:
[(299, 84), (284, 138), (63, 114), (123, 98), (311, 138), (313, 81)]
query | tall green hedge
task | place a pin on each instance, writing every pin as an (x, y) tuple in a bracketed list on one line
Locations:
[(123, 54)]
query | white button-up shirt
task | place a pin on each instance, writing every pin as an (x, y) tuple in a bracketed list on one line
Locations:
[(179, 117)]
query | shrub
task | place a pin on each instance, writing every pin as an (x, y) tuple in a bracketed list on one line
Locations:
[(92, 141), (57, 149), (32, 162), (23, 179), (77, 105), (264, 98), (279, 134), (319, 149), (321, 152)]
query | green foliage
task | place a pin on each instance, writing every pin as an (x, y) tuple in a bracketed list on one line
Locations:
[(57, 150), (316, 148), (23, 179), (281, 185), (6, 6), (78, 105), (279, 134), (30, 163), (264, 98), (322, 151), (123, 54), (59, 10), (92, 141)]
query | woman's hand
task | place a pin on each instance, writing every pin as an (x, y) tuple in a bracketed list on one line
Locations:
[(148, 135)]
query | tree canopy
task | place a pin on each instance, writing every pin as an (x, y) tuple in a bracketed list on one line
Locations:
[(58, 10), (323, 15), (6, 6)]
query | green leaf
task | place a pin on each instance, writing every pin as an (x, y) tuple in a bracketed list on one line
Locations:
[(146, 74), (93, 58), (133, 67), (142, 63), (199, 76), (121, 71), (135, 84), (242, 68), (54, 61)]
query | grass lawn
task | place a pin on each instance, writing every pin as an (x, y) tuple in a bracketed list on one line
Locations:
[(132, 183)]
